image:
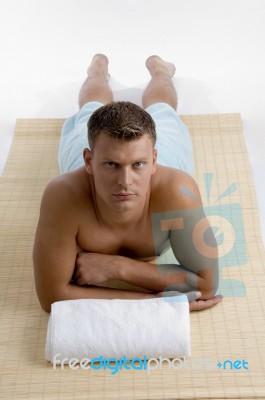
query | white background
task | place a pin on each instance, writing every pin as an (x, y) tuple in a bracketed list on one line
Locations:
[(217, 46)]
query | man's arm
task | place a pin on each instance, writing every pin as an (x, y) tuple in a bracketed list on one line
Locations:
[(54, 253), (192, 241), (93, 268)]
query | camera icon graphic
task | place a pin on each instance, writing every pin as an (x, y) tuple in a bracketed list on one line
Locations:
[(223, 222)]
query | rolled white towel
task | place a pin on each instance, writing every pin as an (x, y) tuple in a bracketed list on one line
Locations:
[(116, 328)]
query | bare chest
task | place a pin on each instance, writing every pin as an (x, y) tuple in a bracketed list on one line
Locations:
[(137, 243)]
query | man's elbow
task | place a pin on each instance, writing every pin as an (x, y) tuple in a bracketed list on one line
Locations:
[(208, 281), (46, 300), (209, 287), (46, 306), (207, 294)]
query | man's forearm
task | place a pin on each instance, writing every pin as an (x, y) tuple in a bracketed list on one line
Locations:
[(94, 269), (158, 277)]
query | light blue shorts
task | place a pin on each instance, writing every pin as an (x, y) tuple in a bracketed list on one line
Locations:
[(174, 145)]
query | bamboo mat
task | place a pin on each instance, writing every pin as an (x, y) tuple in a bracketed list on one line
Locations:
[(233, 330)]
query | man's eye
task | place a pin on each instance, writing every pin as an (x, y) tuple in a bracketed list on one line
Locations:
[(110, 164), (138, 164)]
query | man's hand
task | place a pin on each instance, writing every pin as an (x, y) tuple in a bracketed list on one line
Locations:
[(94, 268), (194, 302), (200, 305)]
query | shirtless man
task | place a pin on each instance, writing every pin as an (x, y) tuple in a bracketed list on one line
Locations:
[(95, 221)]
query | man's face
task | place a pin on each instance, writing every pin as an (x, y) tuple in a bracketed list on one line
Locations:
[(122, 170)]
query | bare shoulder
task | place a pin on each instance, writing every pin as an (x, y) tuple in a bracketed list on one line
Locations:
[(58, 186), (175, 188), (65, 187), (63, 194)]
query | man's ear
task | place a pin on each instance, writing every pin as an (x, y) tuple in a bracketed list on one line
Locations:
[(154, 160), (87, 155)]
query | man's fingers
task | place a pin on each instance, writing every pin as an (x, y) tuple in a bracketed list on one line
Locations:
[(204, 304), (195, 303)]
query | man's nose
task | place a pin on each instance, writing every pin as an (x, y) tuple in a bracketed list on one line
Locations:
[(125, 177)]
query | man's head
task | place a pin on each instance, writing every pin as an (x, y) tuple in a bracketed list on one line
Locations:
[(120, 120), (122, 158)]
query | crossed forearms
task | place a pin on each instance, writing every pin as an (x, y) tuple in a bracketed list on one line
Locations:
[(161, 281), (94, 269)]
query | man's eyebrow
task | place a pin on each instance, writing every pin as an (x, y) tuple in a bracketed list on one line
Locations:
[(138, 159), (109, 159)]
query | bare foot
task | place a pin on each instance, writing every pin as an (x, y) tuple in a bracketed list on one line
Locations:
[(156, 64), (99, 66)]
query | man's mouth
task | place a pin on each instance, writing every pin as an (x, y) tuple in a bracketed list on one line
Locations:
[(123, 196)]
